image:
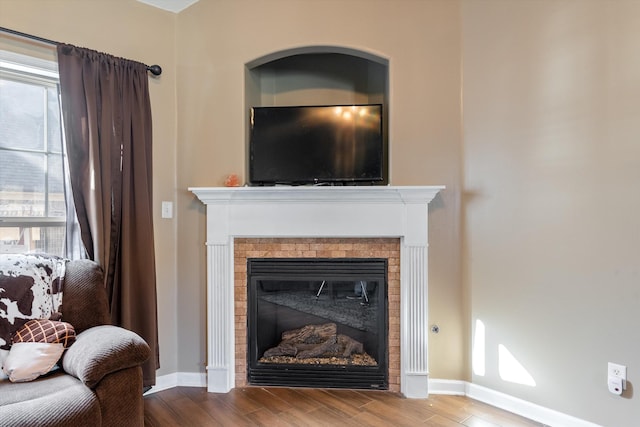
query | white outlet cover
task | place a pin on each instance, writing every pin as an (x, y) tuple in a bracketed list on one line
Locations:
[(616, 370)]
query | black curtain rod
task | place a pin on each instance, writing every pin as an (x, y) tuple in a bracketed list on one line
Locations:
[(156, 70)]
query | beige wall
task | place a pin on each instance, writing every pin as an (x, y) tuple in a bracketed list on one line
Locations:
[(421, 40), (132, 30), (549, 169), (552, 197)]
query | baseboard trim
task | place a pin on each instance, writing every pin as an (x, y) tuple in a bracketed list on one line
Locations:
[(498, 399), (509, 403), (178, 379)]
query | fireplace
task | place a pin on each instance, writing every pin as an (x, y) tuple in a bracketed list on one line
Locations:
[(317, 322), (306, 214)]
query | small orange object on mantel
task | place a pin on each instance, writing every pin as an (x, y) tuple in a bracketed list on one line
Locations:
[(232, 180)]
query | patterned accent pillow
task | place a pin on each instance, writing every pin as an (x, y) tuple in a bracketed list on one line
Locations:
[(30, 288), (47, 331)]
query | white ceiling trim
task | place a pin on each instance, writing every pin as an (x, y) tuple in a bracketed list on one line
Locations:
[(175, 6)]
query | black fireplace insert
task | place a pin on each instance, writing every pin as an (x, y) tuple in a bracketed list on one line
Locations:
[(319, 322)]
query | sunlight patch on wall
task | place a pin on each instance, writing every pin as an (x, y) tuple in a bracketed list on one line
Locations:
[(510, 369), (478, 353)]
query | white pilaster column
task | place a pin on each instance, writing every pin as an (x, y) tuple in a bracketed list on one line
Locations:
[(414, 322), (220, 319)]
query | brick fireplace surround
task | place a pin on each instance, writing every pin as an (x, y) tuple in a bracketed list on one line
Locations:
[(317, 248), (324, 222)]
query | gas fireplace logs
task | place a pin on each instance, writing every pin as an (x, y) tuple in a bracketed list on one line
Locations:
[(319, 344)]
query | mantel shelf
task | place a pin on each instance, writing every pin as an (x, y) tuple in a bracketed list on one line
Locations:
[(310, 194)]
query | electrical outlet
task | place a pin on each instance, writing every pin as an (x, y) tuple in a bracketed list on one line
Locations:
[(616, 378), (617, 371)]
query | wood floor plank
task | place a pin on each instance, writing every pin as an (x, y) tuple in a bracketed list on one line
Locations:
[(371, 420), (265, 418), (191, 414), (267, 400), (329, 400), (225, 414), (474, 421), (393, 414), (297, 397), (452, 407), (326, 416), (170, 394), (498, 416), (157, 413), (301, 407), (441, 421), (197, 394), (299, 418), (403, 407), (238, 398), (354, 398)]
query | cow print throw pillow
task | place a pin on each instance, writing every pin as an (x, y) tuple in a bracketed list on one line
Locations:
[(30, 288)]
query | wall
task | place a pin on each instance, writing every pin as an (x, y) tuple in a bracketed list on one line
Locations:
[(550, 163), (132, 30), (421, 40), (551, 107)]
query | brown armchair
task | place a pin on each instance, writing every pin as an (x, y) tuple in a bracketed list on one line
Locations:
[(100, 383)]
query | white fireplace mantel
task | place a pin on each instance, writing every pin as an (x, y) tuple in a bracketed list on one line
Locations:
[(307, 212)]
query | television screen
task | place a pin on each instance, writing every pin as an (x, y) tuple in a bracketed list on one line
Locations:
[(315, 144)]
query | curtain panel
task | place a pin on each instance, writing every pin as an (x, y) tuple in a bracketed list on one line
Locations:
[(107, 124)]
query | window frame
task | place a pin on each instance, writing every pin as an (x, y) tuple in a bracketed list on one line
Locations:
[(23, 68)]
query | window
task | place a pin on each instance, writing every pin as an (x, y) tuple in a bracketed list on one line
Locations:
[(32, 203)]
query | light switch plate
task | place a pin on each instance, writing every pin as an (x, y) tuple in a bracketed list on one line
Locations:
[(167, 210)]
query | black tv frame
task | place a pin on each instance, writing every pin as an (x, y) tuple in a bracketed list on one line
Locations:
[(372, 144)]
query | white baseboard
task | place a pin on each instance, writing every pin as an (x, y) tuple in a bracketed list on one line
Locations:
[(192, 379), (164, 382), (509, 403), (178, 379), (498, 399), (452, 387)]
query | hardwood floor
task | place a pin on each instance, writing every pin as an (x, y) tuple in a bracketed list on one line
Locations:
[(273, 406)]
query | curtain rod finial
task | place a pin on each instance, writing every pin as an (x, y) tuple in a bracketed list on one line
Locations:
[(156, 70)]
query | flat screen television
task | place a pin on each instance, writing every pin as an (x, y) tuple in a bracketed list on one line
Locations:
[(299, 145)]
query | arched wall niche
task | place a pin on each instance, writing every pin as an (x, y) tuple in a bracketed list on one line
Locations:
[(318, 75)]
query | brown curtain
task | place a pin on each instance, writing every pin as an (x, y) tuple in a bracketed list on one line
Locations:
[(107, 122)]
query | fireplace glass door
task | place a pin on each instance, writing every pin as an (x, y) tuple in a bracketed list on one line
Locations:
[(317, 322)]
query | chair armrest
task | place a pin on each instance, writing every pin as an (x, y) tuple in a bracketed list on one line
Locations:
[(101, 350)]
